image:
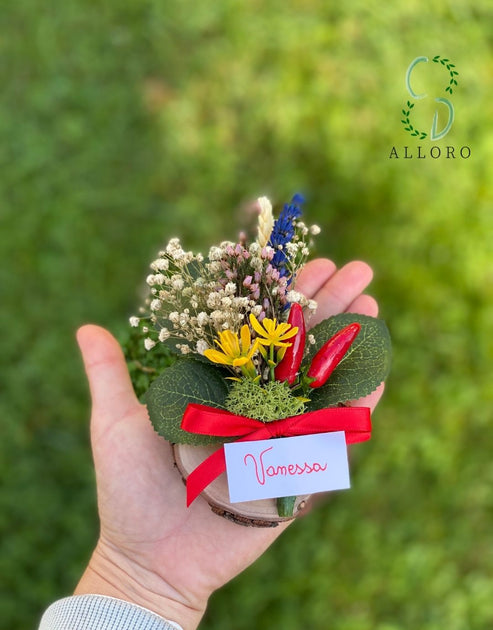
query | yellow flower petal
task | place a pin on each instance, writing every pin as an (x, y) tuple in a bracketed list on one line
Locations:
[(269, 325), (234, 354), (282, 328), (280, 354), (253, 349), (291, 333), (261, 349), (240, 361), (271, 333), (230, 343), (246, 339), (216, 357), (257, 327)]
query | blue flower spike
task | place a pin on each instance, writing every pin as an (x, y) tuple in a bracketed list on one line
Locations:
[(284, 231)]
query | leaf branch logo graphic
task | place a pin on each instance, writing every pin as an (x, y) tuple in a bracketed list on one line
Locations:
[(453, 73), (406, 121)]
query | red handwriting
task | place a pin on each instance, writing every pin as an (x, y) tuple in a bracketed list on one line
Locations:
[(275, 471)]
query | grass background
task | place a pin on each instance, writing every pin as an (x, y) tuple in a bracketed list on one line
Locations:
[(124, 123)]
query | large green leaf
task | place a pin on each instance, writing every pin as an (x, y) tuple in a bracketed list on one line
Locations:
[(365, 365), (186, 381)]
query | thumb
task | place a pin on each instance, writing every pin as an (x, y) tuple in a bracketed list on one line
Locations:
[(111, 388)]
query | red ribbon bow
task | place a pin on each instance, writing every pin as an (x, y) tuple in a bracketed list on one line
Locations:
[(354, 421)]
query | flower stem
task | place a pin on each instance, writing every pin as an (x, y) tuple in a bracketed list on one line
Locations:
[(285, 506)]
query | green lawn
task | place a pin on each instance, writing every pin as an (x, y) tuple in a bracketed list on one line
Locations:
[(123, 123)]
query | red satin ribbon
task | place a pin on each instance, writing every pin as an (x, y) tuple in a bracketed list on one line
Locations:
[(354, 421)]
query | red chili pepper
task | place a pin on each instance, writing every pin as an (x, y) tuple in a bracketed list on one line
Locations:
[(330, 354), (287, 369)]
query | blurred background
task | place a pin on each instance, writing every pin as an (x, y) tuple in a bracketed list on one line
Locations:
[(123, 123)]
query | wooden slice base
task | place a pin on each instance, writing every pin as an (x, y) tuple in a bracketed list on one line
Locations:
[(262, 513)]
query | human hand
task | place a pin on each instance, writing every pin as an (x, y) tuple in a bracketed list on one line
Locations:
[(152, 549)]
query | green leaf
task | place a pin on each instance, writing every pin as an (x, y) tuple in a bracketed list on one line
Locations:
[(186, 381), (362, 369)]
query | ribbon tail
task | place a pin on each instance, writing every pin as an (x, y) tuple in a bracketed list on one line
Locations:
[(352, 437), (204, 474)]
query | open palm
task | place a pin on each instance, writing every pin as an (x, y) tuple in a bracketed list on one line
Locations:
[(153, 550)]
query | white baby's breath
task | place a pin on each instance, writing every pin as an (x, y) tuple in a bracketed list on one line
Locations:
[(201, 346), (201, 296), (202, 319), (159, 279), (164, 334), (149, 343), (294, 296), (161, 264)]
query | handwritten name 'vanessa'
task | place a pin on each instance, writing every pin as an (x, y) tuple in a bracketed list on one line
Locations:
[(261, 471)]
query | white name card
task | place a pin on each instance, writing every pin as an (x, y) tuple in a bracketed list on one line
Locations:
[(284, 467)]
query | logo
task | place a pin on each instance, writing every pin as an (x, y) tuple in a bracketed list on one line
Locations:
[(452, 82), (415, 114)]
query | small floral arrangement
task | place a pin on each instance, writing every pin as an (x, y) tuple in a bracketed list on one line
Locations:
[(238, 325)]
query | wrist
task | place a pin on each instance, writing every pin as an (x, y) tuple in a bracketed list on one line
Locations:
[(113, 574)]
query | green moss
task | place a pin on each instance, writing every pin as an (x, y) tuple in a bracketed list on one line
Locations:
[(273, 401)]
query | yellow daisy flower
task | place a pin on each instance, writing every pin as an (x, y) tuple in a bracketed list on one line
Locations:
[(235, 351), (270, 333)]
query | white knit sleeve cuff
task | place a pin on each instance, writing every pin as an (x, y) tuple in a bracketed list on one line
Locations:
[(99, 612)]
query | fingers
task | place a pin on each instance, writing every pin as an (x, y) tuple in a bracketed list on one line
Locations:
[(111, 389), (364, 305), (314, 275), (371, 400), (340, 290)]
